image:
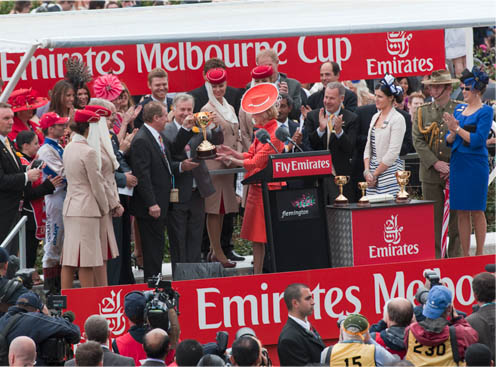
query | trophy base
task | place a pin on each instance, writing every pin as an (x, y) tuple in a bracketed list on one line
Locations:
[(402, 199), (341, 200), (206, 154), (363, 202)]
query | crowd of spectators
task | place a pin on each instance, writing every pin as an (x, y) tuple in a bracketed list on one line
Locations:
[(443, 336)]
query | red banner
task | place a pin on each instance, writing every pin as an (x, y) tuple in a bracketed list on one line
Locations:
[(314, 165), (361, 56), (394, 234), (210, 305)]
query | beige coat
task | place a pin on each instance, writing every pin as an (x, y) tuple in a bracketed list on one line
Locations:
[(224, 184), (246, 129), (84, 205)]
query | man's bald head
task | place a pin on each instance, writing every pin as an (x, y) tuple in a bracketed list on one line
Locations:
[(399, 312), (156, 344), (22, 352)]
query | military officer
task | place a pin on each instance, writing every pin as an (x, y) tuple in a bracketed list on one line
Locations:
[(429, 132)]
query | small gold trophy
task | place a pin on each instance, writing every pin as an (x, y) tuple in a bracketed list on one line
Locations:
[(205, 150), (341, 181), (363, 200), (402, 178)]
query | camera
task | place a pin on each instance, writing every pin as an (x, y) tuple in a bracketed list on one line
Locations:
[(37, 163), (159, 301), (422, 292)]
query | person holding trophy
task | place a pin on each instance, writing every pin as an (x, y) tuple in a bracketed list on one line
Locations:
[(381, 157), (260, 102), (224, 200)]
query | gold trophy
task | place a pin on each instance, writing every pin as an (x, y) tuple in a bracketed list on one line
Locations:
[(341, 181), (363, 200), (205, 150), (402, 178)]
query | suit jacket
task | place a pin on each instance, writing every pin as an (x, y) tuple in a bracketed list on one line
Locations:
[(232, 96), (138, 121), (85, 189), (184, 180), (109, 359), (153, 363), (150, 167), (341, 148), (297, 346), (350, 102)]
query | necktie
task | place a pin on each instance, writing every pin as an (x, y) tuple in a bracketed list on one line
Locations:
[(329, 132), (162, 148), (9, 148)]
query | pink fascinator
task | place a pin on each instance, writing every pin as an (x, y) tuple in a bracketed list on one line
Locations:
[(107, 87)]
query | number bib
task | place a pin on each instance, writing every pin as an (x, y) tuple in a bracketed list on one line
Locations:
[(353, 354), (425, 355)]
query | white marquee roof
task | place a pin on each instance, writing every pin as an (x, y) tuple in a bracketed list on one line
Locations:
[(237, 20)]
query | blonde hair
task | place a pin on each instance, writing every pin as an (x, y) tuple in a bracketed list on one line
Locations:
[(268, 52)]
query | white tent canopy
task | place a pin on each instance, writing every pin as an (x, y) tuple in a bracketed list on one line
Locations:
[(237, 20)]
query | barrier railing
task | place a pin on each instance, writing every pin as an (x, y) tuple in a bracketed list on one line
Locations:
[(20, 228)]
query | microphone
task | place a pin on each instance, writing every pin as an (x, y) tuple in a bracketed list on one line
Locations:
[(282, 133), (264, 137)]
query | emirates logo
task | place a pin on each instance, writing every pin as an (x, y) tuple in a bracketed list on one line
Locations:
[(398, 43), (392, 232)]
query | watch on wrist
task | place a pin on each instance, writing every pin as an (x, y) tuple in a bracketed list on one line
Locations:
[(457, 129)]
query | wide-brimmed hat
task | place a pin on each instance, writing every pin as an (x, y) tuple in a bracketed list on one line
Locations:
[(25, 100), (99, 110), (439, 77), (259, 98), (52, 118)]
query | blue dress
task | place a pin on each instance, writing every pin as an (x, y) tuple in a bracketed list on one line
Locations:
[(469, 167)]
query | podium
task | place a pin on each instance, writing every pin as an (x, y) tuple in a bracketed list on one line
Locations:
[(295, 216)]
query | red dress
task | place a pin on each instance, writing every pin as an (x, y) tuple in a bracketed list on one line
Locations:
[(253, 228), (20, 126)]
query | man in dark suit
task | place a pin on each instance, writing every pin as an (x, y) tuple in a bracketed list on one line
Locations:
[(329, 72), (232, 96), (299, 343), (187, 217), (13, 180), (333, 128), (285, 107), (158, 83), (152, 164), (364, 116), (156, 346), (96, 329)]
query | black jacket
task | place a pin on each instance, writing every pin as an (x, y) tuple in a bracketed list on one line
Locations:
[(138, 121), (297, 346), (350, 102)]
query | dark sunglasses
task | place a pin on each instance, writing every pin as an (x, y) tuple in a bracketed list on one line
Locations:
[(467, 88)]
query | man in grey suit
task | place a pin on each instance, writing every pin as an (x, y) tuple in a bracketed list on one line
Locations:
[(187, 217), (96, 329)]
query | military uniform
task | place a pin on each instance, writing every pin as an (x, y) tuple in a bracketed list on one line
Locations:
[(429, 132)]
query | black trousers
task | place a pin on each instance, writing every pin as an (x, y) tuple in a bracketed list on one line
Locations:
[(152, 233)]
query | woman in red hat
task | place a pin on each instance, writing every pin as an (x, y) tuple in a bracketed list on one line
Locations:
[(224, 199), (24, 103), (260, 101)]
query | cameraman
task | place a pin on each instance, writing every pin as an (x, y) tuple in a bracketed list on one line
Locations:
[(442, 337), (10, 289), (32, 319)]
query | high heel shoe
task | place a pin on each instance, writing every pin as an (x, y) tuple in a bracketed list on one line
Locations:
[(209, 256), (226, 265)]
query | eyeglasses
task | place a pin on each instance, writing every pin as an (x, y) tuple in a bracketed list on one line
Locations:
[(467, 88)]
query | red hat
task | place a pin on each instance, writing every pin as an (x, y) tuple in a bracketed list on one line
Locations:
[(262, 71), (25, 100), (52, 118), (107, 87), (217, 76), (99, 110), (86, 116), (259, 98)]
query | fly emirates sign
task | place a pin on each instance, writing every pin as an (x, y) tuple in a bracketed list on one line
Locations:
[(361, 56)]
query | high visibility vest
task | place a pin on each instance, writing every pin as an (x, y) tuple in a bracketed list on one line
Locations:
[(352, 354), (129, 347), (425, 355)]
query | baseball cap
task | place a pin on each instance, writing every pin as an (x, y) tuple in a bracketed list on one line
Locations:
[(438, 300), (245, 331), (4, 255), (52, 118), (134, 304), (30, 299), (355, 324)]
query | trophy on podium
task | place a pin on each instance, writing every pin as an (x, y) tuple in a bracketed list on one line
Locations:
[(363, 200), (402, 178), (341, 181), (205, 150)]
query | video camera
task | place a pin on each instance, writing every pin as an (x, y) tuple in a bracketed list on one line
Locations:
[(422, 292), (159, 301)]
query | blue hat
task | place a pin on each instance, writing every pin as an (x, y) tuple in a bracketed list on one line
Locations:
[(134, 304), (438, 300), (4, 255), (30, 299)]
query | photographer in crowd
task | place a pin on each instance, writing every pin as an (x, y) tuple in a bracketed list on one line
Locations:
[(440, 339), (29, 317), (10, 289)]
